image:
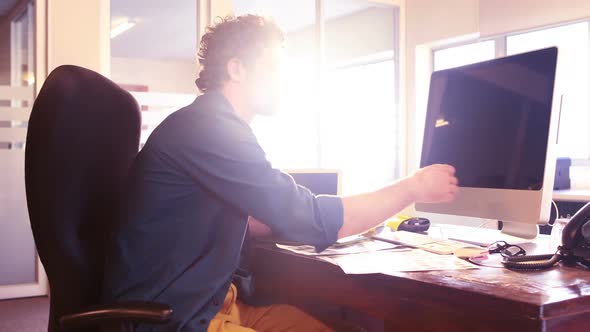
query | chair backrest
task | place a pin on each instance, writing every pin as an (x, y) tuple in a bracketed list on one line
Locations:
[(82, 139)]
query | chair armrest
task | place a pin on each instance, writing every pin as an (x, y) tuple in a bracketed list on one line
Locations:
[(137, 312)]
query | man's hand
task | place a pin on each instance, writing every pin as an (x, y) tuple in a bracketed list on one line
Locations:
[(434, 184)]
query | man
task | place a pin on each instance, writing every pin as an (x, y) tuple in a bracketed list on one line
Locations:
[(202, 174)]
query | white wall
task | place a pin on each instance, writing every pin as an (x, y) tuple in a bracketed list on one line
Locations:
[(504, 16), (159, 76), (78, 33), (431, 20)]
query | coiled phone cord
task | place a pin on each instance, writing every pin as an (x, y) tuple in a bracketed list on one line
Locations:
[(533, 262)]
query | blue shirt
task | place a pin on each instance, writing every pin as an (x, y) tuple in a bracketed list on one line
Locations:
[(190, 192)]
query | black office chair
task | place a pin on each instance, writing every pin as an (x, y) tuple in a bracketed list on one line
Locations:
[(83, 136)]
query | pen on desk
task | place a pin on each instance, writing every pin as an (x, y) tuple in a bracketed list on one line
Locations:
[(349, 243), (372, 231)]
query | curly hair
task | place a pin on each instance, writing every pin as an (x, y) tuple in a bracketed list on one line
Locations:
[(243, 37)]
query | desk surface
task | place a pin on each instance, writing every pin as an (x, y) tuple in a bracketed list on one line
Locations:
[(486, 299)]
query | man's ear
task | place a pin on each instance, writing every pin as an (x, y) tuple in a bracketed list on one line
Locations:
[(235, 70)]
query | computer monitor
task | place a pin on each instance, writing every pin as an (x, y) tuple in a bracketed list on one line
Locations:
[(318, 181), (496, 123)]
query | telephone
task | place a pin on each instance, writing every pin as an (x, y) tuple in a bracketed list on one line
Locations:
[(576, 234), (575, 248)]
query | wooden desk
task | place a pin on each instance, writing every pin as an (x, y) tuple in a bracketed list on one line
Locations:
[(486, 299)]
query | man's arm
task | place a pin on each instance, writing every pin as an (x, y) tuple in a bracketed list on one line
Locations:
[(221, 154), (436, 183)]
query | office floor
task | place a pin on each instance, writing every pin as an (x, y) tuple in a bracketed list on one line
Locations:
[(24, 315)]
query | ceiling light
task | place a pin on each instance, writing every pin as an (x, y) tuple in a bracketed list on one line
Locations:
[(121, 27), (29, 78)]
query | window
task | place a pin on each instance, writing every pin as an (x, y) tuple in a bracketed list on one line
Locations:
[(573, 79), (464, 55), (290, 137), (359, 131), (17, 94), (343, 113), (359, 124)]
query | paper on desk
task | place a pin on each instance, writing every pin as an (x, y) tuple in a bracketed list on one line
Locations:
[(365, 246), (391, 262)]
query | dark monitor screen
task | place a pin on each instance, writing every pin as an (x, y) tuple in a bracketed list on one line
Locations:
[(319, 183), (491, 120)]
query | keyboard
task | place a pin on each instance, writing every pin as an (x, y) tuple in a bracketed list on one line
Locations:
[(481, 236), (421, 241)]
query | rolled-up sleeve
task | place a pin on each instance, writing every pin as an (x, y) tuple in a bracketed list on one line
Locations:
[(220, 153)]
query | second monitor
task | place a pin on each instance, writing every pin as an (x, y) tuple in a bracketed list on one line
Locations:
[(318, 181)]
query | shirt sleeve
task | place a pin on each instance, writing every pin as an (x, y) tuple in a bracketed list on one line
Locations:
[(220, 152)]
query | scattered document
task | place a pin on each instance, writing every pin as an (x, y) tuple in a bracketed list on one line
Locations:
[(366, 256), (356, 247), (391, 262)]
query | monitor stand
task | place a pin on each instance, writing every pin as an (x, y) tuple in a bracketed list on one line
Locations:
[(522, 230)]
